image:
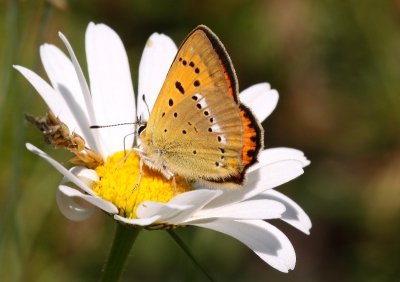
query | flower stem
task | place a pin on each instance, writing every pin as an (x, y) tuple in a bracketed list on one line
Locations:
[(124, 238), (190, 255)]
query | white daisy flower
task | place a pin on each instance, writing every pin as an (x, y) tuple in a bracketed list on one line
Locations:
[(240, 213)]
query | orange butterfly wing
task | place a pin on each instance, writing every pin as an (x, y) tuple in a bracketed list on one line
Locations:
[(198, 128)]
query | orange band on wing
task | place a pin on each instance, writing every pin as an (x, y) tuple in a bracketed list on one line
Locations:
[(228, 79), (252, 139)]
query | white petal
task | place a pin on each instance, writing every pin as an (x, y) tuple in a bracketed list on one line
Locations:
[(53, 100), (261, 99), (274, 155), (258, 181), (165, 212), (197, 199), (88, 176), (294, 214), (95, 200), (61, 73), (157, 58), (70, 209), (173, 212), (268, 242), (254, 209), (138, 221), (86, 95), (111, 86), (60, 168)]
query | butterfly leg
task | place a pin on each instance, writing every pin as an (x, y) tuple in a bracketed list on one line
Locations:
[(124, 159), (173, 179), (140, 175)]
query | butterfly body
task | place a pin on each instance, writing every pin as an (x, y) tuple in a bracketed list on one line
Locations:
[(198, 128)]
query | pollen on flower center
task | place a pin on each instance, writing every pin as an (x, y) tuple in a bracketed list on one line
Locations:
[(118, 179)]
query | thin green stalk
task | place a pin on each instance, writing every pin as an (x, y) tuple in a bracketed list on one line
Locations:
[(17, 102), (11, 34), (189, 254), (124, 239)]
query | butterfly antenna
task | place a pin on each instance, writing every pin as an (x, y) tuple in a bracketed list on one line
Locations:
[(133, 133), (144, 100), (118, 124), (110, 125)]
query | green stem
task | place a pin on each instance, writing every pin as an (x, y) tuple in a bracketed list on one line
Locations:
[(189, 254), (124, 238)]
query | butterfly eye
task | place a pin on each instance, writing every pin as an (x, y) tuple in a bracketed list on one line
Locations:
[(141, 129)]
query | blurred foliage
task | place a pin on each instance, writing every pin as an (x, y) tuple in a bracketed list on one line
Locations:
[(336, 65)]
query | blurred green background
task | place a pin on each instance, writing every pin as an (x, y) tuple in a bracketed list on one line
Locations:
[(336, 66)]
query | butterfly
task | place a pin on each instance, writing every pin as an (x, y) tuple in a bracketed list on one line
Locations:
[(198, 128)]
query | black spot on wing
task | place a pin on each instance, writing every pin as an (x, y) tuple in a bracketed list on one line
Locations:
[(251, 153), (179, 86)]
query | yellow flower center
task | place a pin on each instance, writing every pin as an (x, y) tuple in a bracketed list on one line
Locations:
[(118, 180)]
